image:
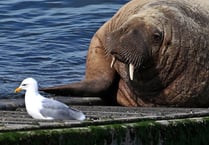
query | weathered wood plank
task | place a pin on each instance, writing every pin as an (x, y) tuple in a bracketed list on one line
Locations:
[(97, 115)]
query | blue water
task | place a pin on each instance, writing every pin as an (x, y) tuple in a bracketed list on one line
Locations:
[(48, 39)]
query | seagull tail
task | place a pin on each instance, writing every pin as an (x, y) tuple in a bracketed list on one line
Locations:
[(77, 114), (81, 116)]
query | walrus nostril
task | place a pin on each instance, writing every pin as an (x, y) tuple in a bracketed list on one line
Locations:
[(115, 54), (119, 58), (112, 52)]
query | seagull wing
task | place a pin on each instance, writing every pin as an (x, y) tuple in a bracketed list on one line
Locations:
[(57, 110)]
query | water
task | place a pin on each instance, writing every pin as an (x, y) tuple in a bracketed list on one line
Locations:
[(48, 39)]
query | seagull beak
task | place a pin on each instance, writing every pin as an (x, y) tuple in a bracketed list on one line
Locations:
[(17, 90)]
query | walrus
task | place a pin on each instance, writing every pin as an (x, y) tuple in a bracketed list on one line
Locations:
[(150, 53)]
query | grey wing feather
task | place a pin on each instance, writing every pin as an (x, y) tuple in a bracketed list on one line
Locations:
[(58, 110)]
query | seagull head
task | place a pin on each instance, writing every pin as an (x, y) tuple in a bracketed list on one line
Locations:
[(28, 84)]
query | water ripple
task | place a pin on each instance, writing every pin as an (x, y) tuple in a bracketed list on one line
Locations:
[(48, 39)]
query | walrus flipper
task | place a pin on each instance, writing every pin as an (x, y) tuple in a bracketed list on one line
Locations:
[(84, 88)]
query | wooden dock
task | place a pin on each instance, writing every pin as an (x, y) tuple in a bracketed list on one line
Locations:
[(105, 125)]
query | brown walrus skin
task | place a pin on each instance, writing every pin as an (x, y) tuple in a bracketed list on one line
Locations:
[(160, 53)]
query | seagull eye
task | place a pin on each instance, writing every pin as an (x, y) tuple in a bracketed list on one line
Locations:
[(23, 84)]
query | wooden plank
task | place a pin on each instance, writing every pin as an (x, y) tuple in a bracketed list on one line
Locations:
[(97, 115)]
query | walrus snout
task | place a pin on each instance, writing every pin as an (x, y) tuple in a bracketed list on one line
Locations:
[(124, 49), (134, 44), (116, 56)]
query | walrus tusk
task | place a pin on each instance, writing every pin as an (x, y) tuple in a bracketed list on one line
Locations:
[(131, 71), (113, 61)]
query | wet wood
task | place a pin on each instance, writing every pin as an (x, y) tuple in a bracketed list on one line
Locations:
[(13, 115)]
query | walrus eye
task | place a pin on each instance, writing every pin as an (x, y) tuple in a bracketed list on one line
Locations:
[(157, 37)]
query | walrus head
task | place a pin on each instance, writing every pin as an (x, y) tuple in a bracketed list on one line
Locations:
[(135, 43)]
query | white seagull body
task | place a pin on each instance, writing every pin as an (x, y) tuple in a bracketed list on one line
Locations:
[(40, 107)]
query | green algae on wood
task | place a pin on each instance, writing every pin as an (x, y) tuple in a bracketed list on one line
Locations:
[(193, 131), (165, 132)]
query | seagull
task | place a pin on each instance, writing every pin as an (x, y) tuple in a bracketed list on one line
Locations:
[(40, 107)]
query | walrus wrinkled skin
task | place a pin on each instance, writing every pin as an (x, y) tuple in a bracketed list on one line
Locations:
[(150, 53)]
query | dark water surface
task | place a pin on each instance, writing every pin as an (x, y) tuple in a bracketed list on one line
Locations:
[(48, 39)]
